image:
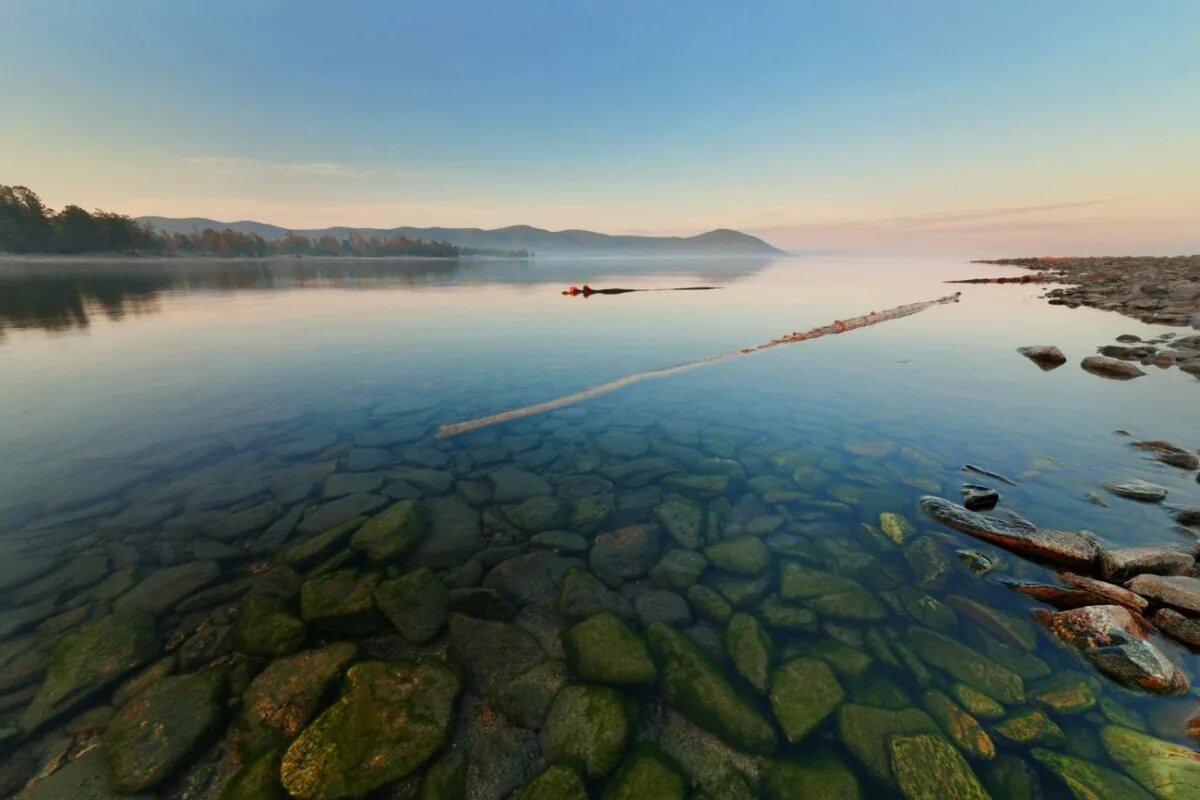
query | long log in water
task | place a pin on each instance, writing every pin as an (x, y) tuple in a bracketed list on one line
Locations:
[(835, 327)]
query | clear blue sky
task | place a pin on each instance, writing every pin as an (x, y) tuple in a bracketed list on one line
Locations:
[(858, 124)]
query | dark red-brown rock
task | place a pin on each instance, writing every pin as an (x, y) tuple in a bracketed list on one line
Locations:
[(1177, 591), (1074, 549), (1107, 593), (1177, 626), (1113, 639)]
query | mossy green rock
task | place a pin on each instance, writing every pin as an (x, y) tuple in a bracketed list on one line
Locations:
[(708, 603), (492, 653), (555, 782), (928, 767), (804, 691), (967, 665), (581, 594), (865, 731), (416, 603), (342, 601), (265, 628), (604, 649), (1010, 777), (818, 775), (446, 779), (681, 518), (745, 555), (897, 527), (392, 717), (929, 564), (645, 775), (694, 685), (309, 551), (678, 569), (89, 659), (158, 729), (960, 726), (540, 513), (257, 780), (85, 778), (1030, 727), (526, 698), (1066, 692), (977, 702), (159, 591), (588, 727), (1088, 781), (749, 648), (781, 616), (285, 696), (690, 483), (392, 533), (828, 594), (1168, 770)]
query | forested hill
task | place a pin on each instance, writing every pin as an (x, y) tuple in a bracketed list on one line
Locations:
[(516, 237)]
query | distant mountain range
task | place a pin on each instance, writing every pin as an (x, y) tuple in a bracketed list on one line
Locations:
[(516, 237)]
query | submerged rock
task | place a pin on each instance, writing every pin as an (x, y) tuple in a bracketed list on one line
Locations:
[(342, 601), (492, 653), (155, 731), (644, 775), (392, 717), (392, 533), (162, 589), (1168, 770), (979, 498), (604, 649), (89, 659), (681, 519), (1030, 727), (581, 594), (1111, 638), (967, 665), (959, 725), (555, 782), (815, 775), (416, 603), (697, 688), (1088, 780), (1076, 550), (928, 766), (587, 725), (745, 555), (266, 628), (678, 569), (896, 527), (828, 594), (526, 698), (804, 692), (1137, 489), (624, 554), (866, 730)]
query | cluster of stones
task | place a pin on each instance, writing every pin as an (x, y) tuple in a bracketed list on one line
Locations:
[(560, 609), (1161, 291), (1119, 361)]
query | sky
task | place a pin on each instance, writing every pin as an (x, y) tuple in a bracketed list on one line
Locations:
[(1029, 127)]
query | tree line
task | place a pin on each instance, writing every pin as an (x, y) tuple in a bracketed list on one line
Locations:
[(28, 226)]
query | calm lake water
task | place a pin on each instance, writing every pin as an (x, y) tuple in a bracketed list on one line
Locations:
[(191, 428)]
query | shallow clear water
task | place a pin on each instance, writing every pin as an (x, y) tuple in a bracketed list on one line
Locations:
[(149, 405)]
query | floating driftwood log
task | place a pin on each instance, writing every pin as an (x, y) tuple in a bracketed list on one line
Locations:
[(835, 327)]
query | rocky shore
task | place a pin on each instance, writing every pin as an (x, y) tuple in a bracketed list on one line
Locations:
[(1155, 290)]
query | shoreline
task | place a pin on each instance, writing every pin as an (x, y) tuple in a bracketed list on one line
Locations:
[(117, 258), (1157, 290)]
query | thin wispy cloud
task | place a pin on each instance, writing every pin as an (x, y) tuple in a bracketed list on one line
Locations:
[(235, 165)]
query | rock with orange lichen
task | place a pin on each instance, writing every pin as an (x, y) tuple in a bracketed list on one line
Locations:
[(287, 694), (392, 717), (959, 725)]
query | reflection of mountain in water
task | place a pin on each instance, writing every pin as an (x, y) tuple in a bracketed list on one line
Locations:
[(63, 296)]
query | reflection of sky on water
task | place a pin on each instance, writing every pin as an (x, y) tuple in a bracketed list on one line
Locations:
[(229, 343)]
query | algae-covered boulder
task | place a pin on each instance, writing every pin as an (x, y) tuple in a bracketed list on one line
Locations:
[(745, 555), (392, 533), (960, 726), (581, 594), (929, 767), (555, 782), (678, 569), (587, 726), (968, 666), (342, 602), (804, 691), (816, 775), (695, 686), (416, 603), (604, 649), (492, 653), (828, 594), (154, 732), (526, 698), (646, 775), (257, 780), (89, 659), (709, 604), (85, 778), (282, 698), (781, 616), (1087, 780), (542, 512), (865, 731), (265, 628), (1030, 727), (749, 648), (392, 717), (1168, 770)]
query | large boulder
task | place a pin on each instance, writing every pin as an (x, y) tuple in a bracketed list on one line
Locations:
[(265, 627), (694, 685), (1168, 770), (342, 601), (804, 692), (392, 533), (492, 653), (645, 775), (152, 734), (750, 649), (866, 730), (928, 766), (392, 717), (1177, 591), (967, 665)]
